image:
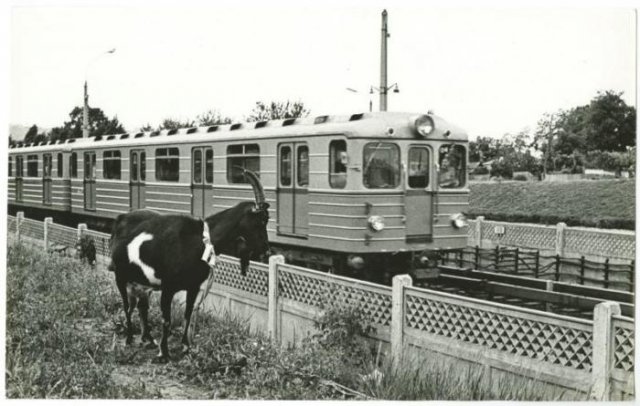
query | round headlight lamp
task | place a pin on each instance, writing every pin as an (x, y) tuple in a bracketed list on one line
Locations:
[(376, 223), (424, 125), (459, 220)]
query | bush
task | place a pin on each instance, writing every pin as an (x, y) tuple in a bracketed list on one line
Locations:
[(480, 170), (502, 169), (520, 178)]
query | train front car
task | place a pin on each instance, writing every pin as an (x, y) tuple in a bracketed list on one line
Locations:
[(406, 192)]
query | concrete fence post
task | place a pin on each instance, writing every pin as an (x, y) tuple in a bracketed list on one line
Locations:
[(47, 222), (560, 227), (19, 219), (82, 227), (399, 282), (548, 288), (603, 348), (272, 318), (479, 221)]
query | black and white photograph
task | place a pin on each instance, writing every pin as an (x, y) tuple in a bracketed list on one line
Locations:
[(337, 201)]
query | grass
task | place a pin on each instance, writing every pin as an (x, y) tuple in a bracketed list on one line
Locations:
[(65, 340), (588, 203)]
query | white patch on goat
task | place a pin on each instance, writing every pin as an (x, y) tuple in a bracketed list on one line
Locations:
[(209, 254), (133, 250)]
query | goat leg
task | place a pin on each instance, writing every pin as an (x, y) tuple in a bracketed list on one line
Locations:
[(192, 293), (143, 309), (165, 306)]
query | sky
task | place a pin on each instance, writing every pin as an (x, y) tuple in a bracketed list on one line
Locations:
[(490, 70)]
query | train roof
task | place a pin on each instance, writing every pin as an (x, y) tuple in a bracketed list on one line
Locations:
[(388, 125)]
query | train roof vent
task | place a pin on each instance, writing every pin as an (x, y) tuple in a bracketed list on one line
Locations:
[(192, 130), (321, 119), (172, 132), (288, 121), (71, 140), (355, 117), (125, 136), (212, 128), (261, 124), (43, 143), (60, 141), (235, 126), (111, 137), (139, 135), (98, 138), (52, 142), (154, 134)]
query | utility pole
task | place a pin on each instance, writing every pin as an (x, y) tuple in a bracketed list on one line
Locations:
[(85, 113), (383, 63)]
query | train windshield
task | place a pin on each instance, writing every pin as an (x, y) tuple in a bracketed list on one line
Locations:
[(453, 166), (381, 165)]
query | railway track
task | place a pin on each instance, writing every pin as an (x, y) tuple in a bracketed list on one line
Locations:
[(556, 297)]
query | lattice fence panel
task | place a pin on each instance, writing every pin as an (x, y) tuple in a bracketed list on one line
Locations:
[(521, 235), (32, 229), (62, 235), (623, 344), (535, 339), (471, 233), (11, 225), (317, 290), (606, 244), (227, 272)]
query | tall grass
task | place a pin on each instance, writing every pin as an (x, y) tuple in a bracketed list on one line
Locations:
[(65, 340)]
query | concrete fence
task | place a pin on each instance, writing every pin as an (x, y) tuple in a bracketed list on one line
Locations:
[(595, 357), (596, 244)]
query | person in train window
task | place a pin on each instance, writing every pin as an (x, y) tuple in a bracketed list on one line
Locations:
[(448, 175), (339, 174)]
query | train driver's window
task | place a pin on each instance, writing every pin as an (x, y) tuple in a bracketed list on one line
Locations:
[(452, 165), (381, 165), (338, 160), (168, 164), (418, 167), (32, 166), (239, 157), (73, 165), (60, 164)]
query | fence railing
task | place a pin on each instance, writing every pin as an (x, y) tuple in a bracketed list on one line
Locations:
[(559, 239), (592, 356), (518, 261)]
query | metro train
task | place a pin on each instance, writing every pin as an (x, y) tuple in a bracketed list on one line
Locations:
[(366, 195)]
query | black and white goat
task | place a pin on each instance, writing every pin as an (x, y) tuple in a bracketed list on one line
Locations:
[(171, 253)]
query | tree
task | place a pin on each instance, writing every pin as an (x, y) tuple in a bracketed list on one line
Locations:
[(212, 117), (610, 123), (33, 136), (99, 124), (175, 124), (277, 111)]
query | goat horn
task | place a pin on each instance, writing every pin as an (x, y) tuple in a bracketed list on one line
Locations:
[(258, 191)]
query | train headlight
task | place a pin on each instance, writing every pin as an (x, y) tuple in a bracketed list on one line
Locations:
[(376, 223), (424, 125), (459, 220)]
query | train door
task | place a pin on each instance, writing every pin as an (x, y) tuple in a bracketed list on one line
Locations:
[(19, 174), (201, 180), (46, 178), (138, 176), (90, 180), (418, 197), (293, 181)]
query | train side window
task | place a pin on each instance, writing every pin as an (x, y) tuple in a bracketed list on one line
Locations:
[(452, 166), (47, 165), (197, 166), (10, 166), (285, 165), (239, 157), (32, 166), (60, 165), (168, 164), (111, 164), (19, 166), (208, 165), (381, 165), (303, 165), (418, 167), (73, 165), (134, 166), (338, 160)]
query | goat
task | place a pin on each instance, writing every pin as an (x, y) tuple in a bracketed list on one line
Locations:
[(170, 253)]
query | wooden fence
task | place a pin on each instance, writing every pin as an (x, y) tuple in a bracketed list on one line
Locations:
[(595, 357)]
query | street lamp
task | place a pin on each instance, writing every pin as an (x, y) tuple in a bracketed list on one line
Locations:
[(384, 91), (85, 109)]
